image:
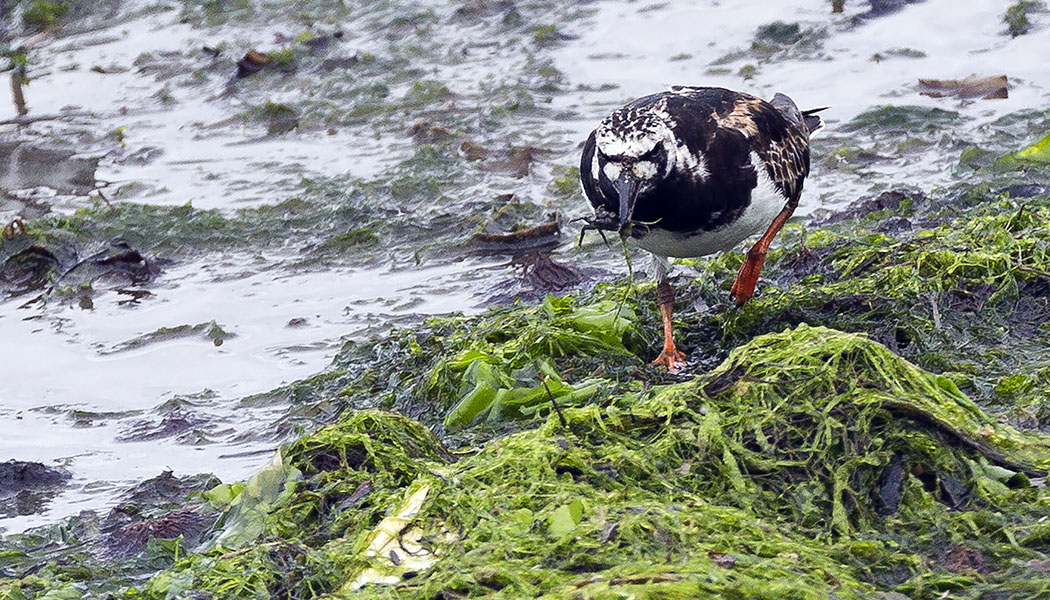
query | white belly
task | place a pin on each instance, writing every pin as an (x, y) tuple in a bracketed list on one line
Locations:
[(766, 203), (756, 219)]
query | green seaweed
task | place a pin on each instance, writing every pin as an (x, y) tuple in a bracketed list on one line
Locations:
[(749, 481), (283, 59), (897, 120), (779, 36), (1038, 152), (210, 331), (1016, 16), (864, 427), (809, 462), (41, 15)]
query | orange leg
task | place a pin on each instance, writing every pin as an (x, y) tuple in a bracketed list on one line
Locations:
[(744, 286), (670, 357)]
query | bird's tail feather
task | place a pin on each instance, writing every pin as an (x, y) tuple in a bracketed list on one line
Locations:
[(812, 120), (801, 118)]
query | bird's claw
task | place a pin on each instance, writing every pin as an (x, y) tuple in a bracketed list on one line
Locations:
[(600, 222), (670, 358)]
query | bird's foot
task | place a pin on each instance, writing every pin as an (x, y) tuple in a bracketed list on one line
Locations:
[(671, 358), (601, 221)]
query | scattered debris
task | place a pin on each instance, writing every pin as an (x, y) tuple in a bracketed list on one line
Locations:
[(252, 62), (993, 87), (210, 331), (186, 525), (723, 559), (889, 200), (528, 238), (964, 559), (472, 151), (15, 227), (321, 43), (546, 276), (394, 532), (178, 424), (18, 475), (358, 496), (116, 266), (28, 270), (520, 162), (429, 132)]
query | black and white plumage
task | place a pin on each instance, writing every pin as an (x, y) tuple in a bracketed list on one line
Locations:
[(694, 171)]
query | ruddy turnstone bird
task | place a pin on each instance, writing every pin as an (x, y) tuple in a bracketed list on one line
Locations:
[(694, 171)]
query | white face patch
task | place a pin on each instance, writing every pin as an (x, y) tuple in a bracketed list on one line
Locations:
[(612, 171), (645, 170)]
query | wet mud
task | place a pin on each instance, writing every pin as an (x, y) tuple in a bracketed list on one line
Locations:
[(26, 487)]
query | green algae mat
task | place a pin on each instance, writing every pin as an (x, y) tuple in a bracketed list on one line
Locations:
[(811, 463), (869, 426)]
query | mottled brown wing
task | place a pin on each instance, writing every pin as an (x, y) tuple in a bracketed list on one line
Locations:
[(787, 161), (781, 144)]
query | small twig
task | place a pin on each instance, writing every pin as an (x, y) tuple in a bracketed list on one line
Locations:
[(98, 191), (557, 409), (1017, 216), (18, 79)]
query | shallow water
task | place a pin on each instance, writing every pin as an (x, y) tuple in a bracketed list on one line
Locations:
[(164, 123)]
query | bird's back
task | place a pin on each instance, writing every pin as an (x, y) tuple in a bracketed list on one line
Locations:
[(727, 145)]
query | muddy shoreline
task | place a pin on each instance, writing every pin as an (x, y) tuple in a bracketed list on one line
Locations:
[(873, 424)]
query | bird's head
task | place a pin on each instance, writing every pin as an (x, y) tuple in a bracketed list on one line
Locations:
[(633, 153)]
